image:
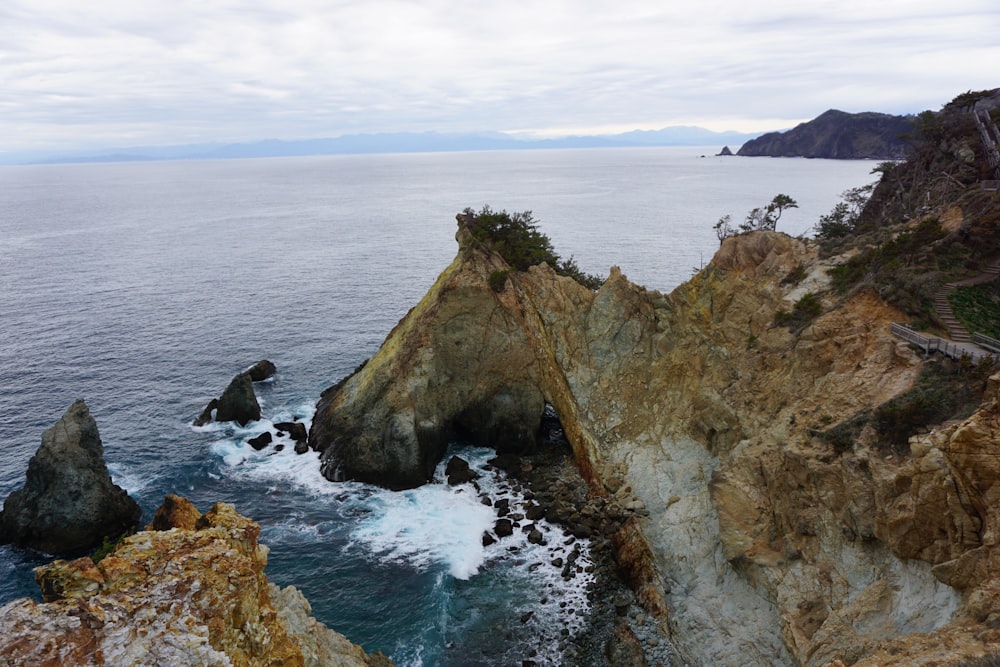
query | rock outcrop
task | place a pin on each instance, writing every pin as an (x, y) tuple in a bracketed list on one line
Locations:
[(68, 502), (459, 365), (837, 135), (767, 544), (238, 402), (181, 596)]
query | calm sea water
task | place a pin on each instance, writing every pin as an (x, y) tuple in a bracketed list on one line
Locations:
[(143, 288)]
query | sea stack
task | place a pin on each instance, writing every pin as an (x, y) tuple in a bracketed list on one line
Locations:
[(68, 503)]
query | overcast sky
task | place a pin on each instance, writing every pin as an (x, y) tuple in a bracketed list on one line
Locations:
[(77, 73)]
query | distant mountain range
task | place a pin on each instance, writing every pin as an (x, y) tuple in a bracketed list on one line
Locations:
[(424, 142)]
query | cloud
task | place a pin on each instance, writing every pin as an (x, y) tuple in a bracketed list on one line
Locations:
[(111, 72)]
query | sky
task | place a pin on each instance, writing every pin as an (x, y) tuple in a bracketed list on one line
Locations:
[(123, 73)]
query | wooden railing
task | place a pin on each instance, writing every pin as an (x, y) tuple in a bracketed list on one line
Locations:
[(926, 343), (991, 344), (954, 350)]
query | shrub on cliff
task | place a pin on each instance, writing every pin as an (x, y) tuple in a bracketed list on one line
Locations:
[(806, 309), (516, 237)]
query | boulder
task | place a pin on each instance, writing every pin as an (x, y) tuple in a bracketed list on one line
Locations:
[(175, 512), (68, 503), (238, 402), (458, 471), (262, 370), (503, 528), (295, 430), (261, 441)]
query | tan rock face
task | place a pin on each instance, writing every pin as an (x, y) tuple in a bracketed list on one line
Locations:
[(766, 544), (176, 596)]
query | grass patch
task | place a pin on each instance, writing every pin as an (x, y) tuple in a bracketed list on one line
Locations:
[(978, 307)]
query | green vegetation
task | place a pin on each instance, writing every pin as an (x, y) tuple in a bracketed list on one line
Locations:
[(905, 269), (795, 276), (843, 220), (803, 312), (516, 237), (760, 218), (978, 307), (498, 280), (107, 547)]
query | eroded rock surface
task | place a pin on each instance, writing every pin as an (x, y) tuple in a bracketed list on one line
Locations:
[(763, 543), (181, 596), (68, 502)]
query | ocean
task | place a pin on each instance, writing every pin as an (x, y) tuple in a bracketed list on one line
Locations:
[(143, 288)]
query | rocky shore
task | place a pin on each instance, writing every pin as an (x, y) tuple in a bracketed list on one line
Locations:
[(619, 631)]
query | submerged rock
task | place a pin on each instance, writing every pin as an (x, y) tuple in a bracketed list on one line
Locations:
[(184, 597), (68, 502)]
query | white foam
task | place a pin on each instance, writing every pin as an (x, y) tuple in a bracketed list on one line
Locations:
[(434, 524), (435, 527), (132, 482)]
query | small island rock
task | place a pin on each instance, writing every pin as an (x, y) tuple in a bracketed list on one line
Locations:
[(238, 402), (68, 503)]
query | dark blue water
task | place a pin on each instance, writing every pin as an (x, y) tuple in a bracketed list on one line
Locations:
[(143, 288)]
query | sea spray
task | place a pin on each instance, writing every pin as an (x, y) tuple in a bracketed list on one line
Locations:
[(458, 599)]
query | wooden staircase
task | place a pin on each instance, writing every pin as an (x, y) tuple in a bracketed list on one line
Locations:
[(956, 330)]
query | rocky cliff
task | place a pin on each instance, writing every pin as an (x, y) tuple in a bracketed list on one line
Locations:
[(837, 135), (768, 542), (190, 590)]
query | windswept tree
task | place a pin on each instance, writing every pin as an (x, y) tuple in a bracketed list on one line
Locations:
[(759, 218)]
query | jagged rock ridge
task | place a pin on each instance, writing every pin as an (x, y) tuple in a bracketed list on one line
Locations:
[(837, 135)]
